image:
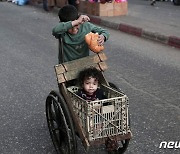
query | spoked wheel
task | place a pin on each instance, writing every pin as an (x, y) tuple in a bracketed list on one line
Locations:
[(60, 124), (124, 143)]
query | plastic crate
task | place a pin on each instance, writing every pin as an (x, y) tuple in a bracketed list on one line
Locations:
[(102, 118)]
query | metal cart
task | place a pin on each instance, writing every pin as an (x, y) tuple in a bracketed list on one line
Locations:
[(95, 122)]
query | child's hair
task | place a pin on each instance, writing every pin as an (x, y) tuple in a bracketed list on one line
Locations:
[(68, 13), (89, 72)]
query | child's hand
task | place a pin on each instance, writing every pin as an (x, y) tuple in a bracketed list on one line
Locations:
[(101, 39), (83, 18), (80, 20)]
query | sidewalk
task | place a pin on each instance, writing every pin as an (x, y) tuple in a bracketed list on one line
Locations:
[(160, 22)]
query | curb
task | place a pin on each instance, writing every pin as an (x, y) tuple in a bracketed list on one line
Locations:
[(137, 31)]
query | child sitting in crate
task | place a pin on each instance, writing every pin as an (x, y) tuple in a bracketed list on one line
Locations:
[(89, 80)]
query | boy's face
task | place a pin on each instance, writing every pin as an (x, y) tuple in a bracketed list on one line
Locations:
[(74, 30), (90, 85)]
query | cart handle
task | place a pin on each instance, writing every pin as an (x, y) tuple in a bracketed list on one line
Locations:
[(61, 51)]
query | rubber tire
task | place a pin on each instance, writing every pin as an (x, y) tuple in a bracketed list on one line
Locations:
[(60, 124)]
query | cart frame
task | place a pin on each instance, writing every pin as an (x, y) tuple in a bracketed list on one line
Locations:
[(66, 72)]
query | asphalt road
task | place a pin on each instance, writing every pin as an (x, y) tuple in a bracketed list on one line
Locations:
[(146, 71)]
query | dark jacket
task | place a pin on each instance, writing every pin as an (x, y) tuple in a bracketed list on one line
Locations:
[(98, 95)]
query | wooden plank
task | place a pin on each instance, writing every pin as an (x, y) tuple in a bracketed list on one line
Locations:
[(66, 76), (61, 78), (102, 66), (117, 137), (80, 63), (59, 69), (102, 56)]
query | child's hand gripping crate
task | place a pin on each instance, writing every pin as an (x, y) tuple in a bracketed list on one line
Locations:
[(102, 118)]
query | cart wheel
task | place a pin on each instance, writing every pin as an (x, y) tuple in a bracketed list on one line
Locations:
[(124, 143), (60, 124), (123, 146)]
